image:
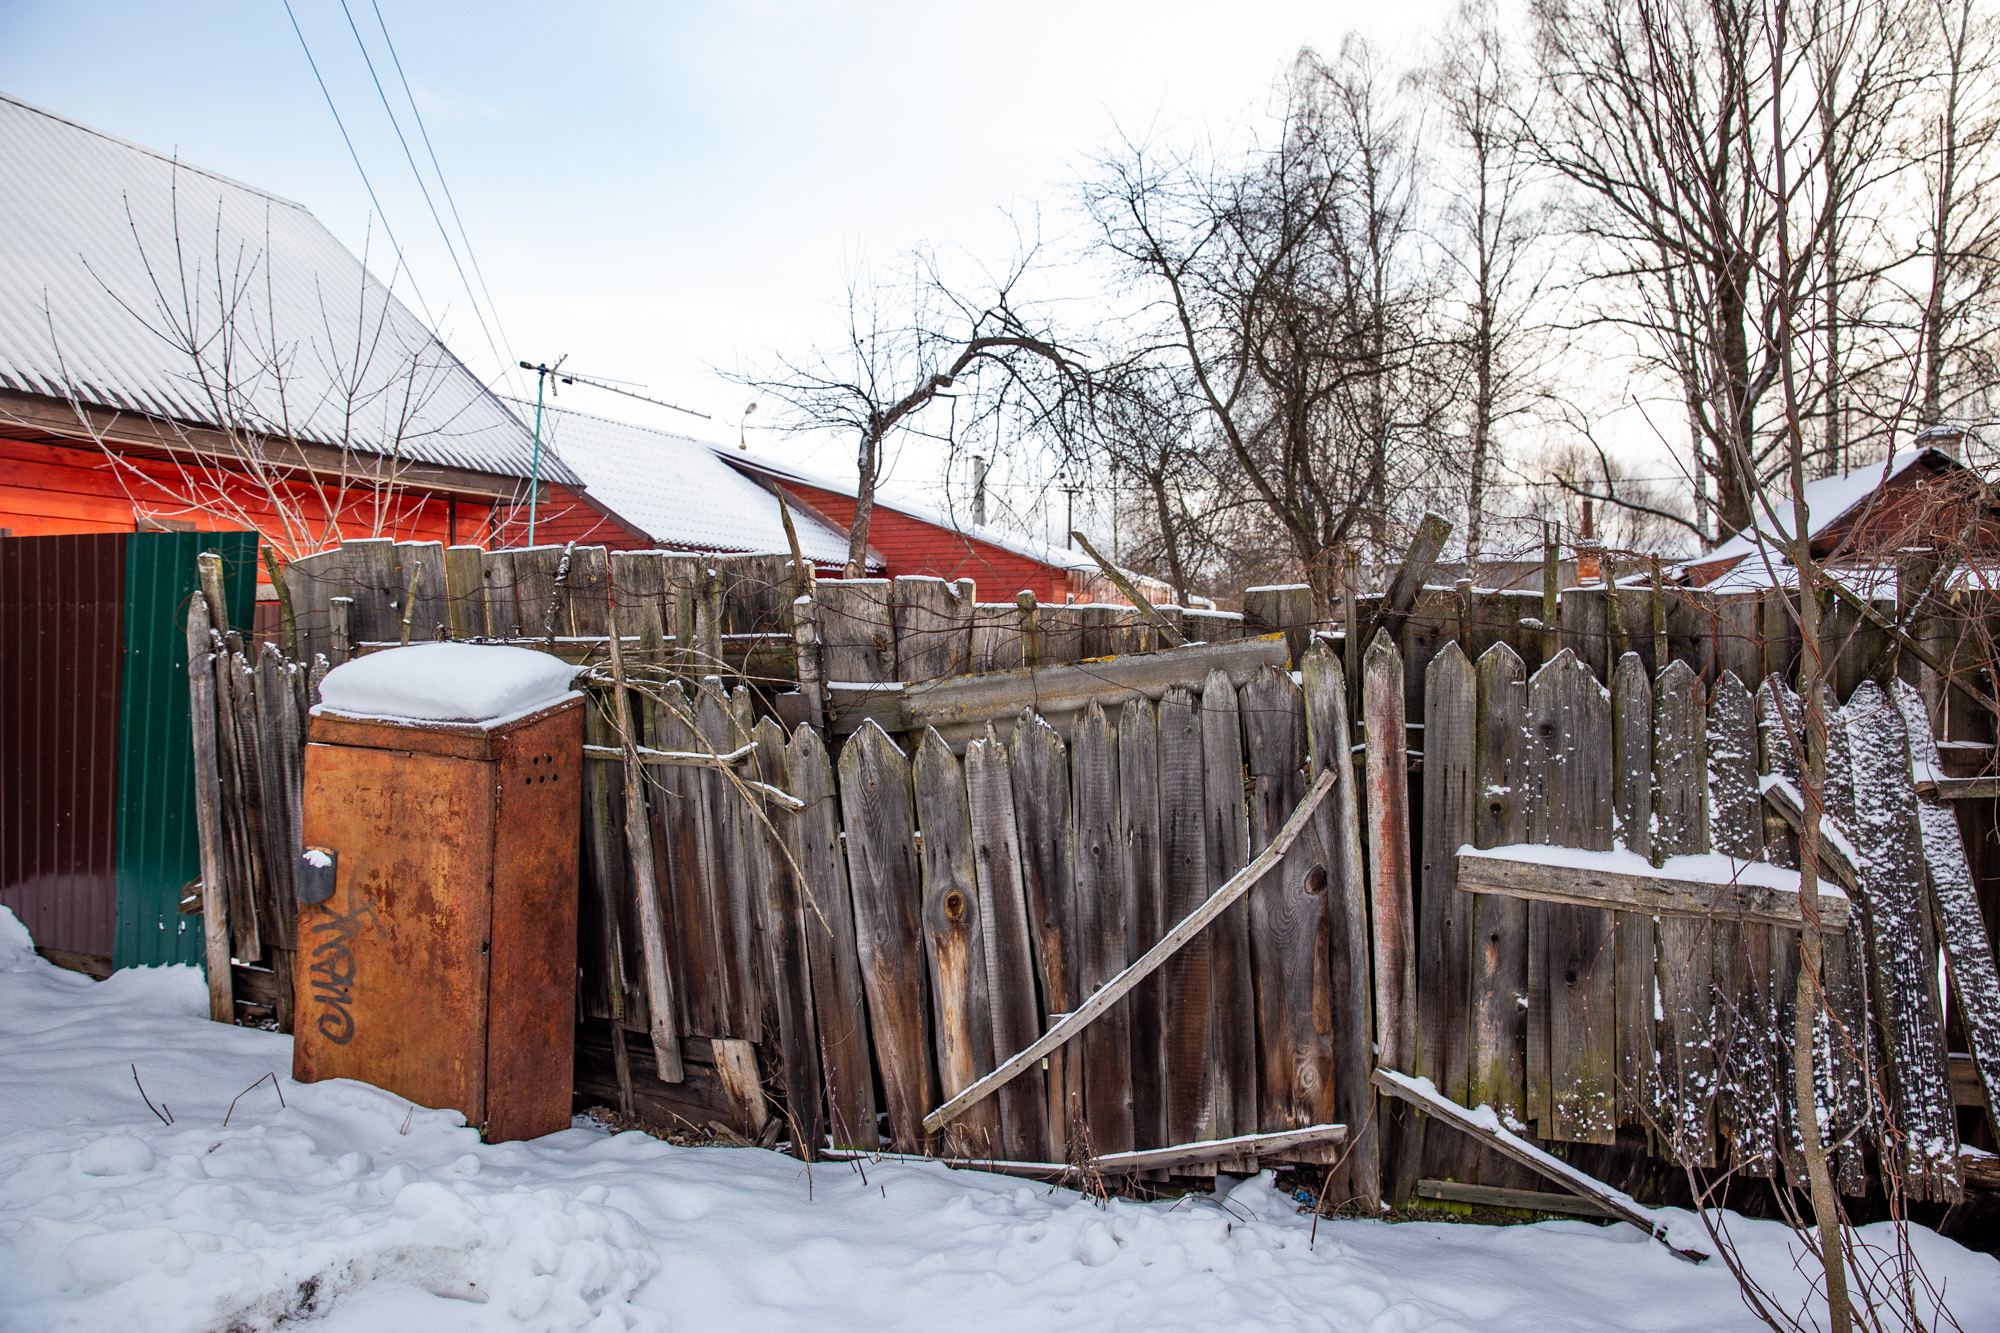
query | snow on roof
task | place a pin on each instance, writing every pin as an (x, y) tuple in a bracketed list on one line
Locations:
[(1042, 553), (1828, 500), (677, 490), (89, 223)]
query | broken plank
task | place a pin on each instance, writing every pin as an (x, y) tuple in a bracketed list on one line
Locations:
[(1238, 1147), (1486, 1127), (1624, 883)]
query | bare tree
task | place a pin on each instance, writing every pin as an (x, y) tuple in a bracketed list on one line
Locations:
[(1286, 287), (910, 342), (1956, 151), (1493, 225)]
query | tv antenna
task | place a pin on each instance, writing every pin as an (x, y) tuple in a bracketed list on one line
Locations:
[(544, 373)]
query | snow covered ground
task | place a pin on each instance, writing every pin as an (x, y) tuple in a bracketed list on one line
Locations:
[(348, 1209)]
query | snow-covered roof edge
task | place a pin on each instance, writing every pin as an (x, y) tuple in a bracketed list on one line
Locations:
[(1828, 501), (1028, 548)]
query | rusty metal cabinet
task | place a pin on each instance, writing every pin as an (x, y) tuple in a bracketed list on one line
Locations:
[(440, 961)]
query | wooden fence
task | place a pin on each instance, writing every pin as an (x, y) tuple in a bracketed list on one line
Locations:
[(862, 916)]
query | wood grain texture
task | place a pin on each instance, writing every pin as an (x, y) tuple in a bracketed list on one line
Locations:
[(955, 946), (1746, 1018), (208, 814), (1009, 946), (933, 623), (1288, 933), (1338, 826), (857, 629), (1444, 932), (838, 1013), (1500, 1016), (1145, 877), (662, 1012), (730, 909), (1569, 727), (1189, 974), (688, 836), (1106, 930), (1686, 960), (1226, 837), (1039, 767), (1392, 905), (877, 812), (785, 955), (1632, 769), (1902, 944)]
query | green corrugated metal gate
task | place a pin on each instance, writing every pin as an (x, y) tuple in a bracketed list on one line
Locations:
[(157, 848), (99, 836)]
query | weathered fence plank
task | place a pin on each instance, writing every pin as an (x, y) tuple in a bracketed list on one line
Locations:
[(1393, 910), (690, 828), (1288, 935), (1444, 939), (1746, 1018), (1500, 1016), (1338, 827), (1106, 930), (857, 625), (1902, 950), (840, 1019), (1226, 839), (1632, 767), (1145, 878), (1569, 725), (933, 621), (955, 946), (876, 809), (208, 813), (1961, 928), (1193, 1089), (1687, 1046), (1010, 953), (465, 592), (1040, 770), (786, 962)]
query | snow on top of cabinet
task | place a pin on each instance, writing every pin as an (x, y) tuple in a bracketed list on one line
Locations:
[(447, 682)]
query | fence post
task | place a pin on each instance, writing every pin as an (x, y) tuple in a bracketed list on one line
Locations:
[(208, 812), (1394, 930)]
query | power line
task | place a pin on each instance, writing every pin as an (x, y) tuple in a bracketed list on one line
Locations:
[(444, 185), (422, 187), (380, 212)]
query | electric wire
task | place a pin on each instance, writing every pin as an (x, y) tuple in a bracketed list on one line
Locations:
[(443, 184), (401, 263), (422, 186)]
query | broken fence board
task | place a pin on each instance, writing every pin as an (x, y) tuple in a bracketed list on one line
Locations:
[(1488, 1129), (1227, 841)]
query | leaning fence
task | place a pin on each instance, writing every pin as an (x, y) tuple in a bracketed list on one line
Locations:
[(886, 838)]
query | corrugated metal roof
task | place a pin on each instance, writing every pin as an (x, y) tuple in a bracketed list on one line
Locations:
[(105, 246), (676, 490)]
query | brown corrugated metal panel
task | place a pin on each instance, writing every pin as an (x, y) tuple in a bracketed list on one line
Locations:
[(62, 646)]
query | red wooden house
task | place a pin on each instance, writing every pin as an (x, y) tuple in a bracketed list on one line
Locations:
[(179, 350), (913, 537)]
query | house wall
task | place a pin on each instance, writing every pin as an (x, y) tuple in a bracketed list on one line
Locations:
[(49, 488), (911, 546)]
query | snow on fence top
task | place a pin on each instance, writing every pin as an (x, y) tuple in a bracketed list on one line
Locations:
[(446, 682)]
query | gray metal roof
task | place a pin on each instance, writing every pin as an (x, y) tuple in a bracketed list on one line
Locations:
[(134, 282), (676, 490)]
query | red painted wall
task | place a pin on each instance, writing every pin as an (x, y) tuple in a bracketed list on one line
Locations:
[(911, 546)]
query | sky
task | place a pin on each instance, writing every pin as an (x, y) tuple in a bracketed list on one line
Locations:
[(665, 193)]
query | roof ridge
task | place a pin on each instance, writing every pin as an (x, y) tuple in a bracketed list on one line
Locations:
[(179, 163)]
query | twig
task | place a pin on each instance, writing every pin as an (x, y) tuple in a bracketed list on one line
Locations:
[(166, 1116), (273, 1076)]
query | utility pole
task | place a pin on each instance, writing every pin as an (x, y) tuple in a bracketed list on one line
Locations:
[(1069, 489), (542, 374), (978, 490)]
